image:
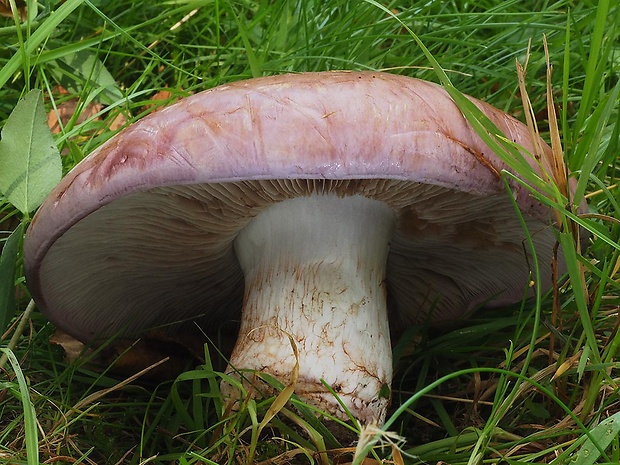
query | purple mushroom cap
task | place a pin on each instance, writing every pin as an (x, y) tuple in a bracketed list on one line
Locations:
[(143, 233)]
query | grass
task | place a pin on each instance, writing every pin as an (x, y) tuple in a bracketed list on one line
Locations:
[(535, 392)]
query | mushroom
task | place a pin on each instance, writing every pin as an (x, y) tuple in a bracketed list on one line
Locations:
[(312, 208)]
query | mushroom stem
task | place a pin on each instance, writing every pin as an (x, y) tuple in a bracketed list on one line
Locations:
[(315, 271)]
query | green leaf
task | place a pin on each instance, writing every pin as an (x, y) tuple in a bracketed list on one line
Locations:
[(82, 69), (30, 164), (8, 259), (603, 435)]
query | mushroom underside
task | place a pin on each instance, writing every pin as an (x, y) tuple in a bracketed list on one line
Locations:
[(168, 258)]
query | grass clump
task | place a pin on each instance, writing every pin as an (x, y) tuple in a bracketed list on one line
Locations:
[(542, 389)]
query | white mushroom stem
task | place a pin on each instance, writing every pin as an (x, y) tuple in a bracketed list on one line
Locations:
[(315, 271)]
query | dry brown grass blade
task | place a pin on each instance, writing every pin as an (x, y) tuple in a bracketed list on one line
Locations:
[(366, 461), (616, 268), (589, 195), (524, 351), (95, 396), (174, 27), (530, 117), (286, 393), (553, 169), (550, 163), (559, 172), (284, 458), (463, 400), (372, 434), (566, 365)]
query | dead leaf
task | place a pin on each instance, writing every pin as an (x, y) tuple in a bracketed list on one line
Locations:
[(63, 114), (59, 118), (161, 96), (71, 346), (397, 457)]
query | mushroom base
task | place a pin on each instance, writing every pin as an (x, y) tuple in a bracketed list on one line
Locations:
[(315, 285)]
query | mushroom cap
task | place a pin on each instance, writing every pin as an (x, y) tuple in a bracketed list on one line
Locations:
[(140, 234)]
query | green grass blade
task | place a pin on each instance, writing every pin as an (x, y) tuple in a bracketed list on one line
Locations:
[(37, 38), (30, 416), (253, 61), (592, 81), (587, 151), (581, 299), (568, 141)]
